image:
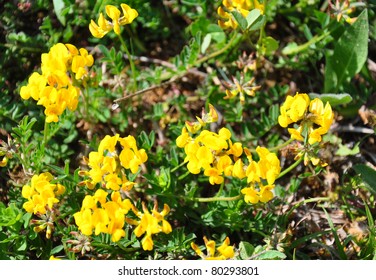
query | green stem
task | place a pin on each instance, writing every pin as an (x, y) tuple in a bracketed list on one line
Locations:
[(218, 52), (276, 148), (291, 167), (304, 46), (24, 48), (221, 198), (220, 189), (86, 102), (131, 62), (177, 167), (45, 135)]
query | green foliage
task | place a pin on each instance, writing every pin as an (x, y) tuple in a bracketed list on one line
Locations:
[(349, 54), (163, 71)]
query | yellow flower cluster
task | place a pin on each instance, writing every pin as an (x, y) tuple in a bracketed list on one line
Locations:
[(104, 26), (218, 157), (261, 175), (242, 6), (107, 165), (311, 118), (150, 223), (41, 194), (224, 251), (215, 153), (54, 88), (98, 213), (103, 216)]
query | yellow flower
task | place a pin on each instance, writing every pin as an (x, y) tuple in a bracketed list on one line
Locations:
[(103, 27), (41, 194), (238, 170), (3, 162), (100, 29), (209, 151), (183, 139), (251, 195), (102, 216), (242, 6), (311, 117), (54, 88), (150, 224), (106, 164), (269, 165), (36, 84), (210, 117), (224, 251)]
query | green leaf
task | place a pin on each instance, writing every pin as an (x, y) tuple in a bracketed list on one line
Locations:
[(216, 33), (368, 175), (58, 7), (258, 23), (340, 247), (334, 99), (350, 54), (206, 43), (252, 17), (269, 45), (242, 22), (246, 250), (345, 151), (57, 249), (9, 215), (271, 255), (290, 48)]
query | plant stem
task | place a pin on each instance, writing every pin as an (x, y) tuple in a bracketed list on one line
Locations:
[(281, 145), (215, 198), (131, 62), (291, 167), (45, 135), (218, 52), (177, 167), (304, 46), (220, 189)]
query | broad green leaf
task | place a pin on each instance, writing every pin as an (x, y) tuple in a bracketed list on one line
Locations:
[(256, 25), (368, 175), (58, 7), (350, 54), (271, 255), (333, 98), (246, 250), (242, 22), (252, 17), (269, 45), (217, 32)]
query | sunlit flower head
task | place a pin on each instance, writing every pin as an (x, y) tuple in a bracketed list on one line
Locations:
[(118, 18), (55, 88), (311, 118)]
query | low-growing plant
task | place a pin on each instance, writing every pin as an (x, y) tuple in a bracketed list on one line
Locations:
[(112, 154)]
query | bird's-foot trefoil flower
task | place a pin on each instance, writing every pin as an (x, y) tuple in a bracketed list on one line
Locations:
[(118, 18), (223, 252), (310, 118)]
